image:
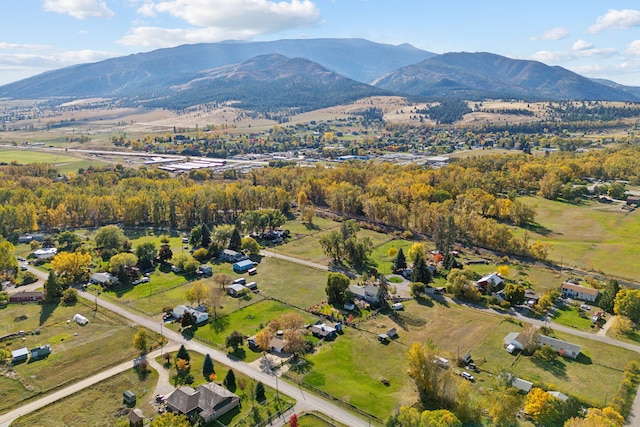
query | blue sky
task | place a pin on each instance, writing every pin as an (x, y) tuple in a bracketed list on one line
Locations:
[(593, 38)]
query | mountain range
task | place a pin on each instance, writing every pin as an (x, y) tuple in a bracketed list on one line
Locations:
[(309, 74)]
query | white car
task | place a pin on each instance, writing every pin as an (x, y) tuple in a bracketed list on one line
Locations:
[(467, 376), (397, 306), (585, 307)]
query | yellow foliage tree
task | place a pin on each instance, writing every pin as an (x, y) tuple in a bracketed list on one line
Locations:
[(182, 365), (71, 266), (416, 250), (542, 407), (503, 270), (197, 293)]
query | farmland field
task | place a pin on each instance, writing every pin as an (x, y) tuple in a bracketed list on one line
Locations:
[(63, 163)]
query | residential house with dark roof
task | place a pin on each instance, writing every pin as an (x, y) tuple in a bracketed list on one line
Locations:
[(208, 402)]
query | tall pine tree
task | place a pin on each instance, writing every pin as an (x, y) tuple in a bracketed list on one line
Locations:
[(230, 382), (206, 236), (236, 241), (400, 261), (183, 354), (420, 272), (207, 367)]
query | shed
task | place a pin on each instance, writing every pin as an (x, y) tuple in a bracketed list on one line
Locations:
[(80, 319), (393, 332), (136, 418), (252, 286), (243, 266), (383, 337), (235, 290), (19, 355), (521, 384), (129, 397), (40, 352), (324, 331), (205, 270)]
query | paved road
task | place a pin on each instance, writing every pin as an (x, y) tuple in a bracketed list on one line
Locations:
[(31, 286)]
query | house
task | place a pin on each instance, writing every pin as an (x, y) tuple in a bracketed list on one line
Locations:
[(103, 279), (492, 279), (45, 253), (321, 330), (227, 255), (565, 349), (136, 418), (531, 298), (205, 270), (277, 344), (199, 316), (129, 397), (19, 355), (521, 384), (27, 238), (369, 292), (208, 402), (23, 296), (573, 291), (235, 289), (40, 352), (80, 319), (559, 395), (243, 266)]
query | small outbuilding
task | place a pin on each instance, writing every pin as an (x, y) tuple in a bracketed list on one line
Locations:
[(243, 266), (235, 289), (40, 352), (80, 319), (129, 397), (136, 418), (20, 355)]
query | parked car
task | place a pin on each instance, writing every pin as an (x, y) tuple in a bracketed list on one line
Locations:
[(473, 367), (252, 271), (585, 307), (467, 376), (397, 306)]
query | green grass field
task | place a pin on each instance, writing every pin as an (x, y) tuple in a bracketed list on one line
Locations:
[(599, 364), (589, 235), (63, 163), (74, 354)]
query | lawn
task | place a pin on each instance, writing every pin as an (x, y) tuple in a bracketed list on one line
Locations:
[(589, 235), (574, 317), (599, 364), (248, 320), (72, 346), (98, 405), (380, 254), (341, 369), (63, 163)]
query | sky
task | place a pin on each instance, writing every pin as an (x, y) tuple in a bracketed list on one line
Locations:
[(595, 38)]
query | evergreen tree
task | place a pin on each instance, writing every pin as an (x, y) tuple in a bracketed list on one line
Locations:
[(383, 291), (420, 272), (230, 383), (236, 240), (260, 393), (207, 367), (183, 354), (53, 287), (608, 296), (206, 236), (400, 262)]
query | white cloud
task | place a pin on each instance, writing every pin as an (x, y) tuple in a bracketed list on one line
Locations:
[(554, 57), (215, 20), (558, 33), (582, 45), (634, 48), (15, 46), (79, 9), (616, 19)]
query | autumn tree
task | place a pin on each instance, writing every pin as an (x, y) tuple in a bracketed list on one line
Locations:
[(623, 325), (141, 341), (71, 267), (417, 250), (445, 233), (529, 338), (503, 270), (110, 240), (627, 303), (293, 421), (596, 417), (544, 408), (434, 384), (234, 340), (197, 293), (69, 241), (514, 293), (122, 261), (250, 245), (8, 262), (337, 287), (461, 285), (165, 253), (215, 296), (263, 339), (503, 403)]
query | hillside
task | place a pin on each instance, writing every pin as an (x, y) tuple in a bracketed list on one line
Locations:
[(490, 76), (132, 75), (268, 82)]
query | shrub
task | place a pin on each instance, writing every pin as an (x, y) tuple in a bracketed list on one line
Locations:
[(70, 296)]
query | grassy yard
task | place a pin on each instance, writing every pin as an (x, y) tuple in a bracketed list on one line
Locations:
[(98, 405), (74, 354), (589, 235), (599, 364), (340, 369), (248, 320), (63, 163), (574, 317)]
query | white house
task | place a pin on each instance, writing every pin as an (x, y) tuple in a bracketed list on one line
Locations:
[(199, 316), (573, 291), (369, 292), (565, 349), (45, 253), (492, 279), (103, 279)]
